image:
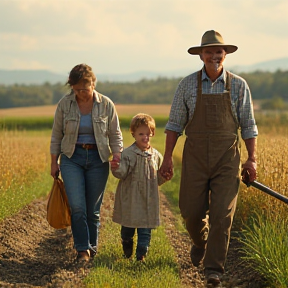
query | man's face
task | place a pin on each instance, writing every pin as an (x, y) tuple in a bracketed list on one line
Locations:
[(213, 57)]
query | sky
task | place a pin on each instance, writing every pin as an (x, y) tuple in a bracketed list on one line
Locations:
[(126, 36)]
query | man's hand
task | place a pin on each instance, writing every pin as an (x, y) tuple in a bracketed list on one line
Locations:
[(166, 169), (249, 171), (250, 166)]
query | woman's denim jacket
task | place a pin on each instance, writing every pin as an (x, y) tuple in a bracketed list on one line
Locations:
[(105, 121)]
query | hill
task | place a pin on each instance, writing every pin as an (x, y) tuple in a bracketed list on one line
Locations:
[(38, 77), (267, 66), (27, 77)]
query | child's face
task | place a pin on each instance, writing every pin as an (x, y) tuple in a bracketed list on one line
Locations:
[(142, 137)]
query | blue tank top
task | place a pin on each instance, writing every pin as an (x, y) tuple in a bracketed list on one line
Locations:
[(86, 132)]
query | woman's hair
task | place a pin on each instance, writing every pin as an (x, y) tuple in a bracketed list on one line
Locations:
[(142, 119), (81, 73)]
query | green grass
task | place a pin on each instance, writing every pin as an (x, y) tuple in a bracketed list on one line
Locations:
[(264, 237), (272, 118), (111, 269), (18, 194), (266, 247), (39, 123), (26, 123), (22, 184)]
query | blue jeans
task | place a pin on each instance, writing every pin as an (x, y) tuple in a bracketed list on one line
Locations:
[(85, 177), (143, 238)]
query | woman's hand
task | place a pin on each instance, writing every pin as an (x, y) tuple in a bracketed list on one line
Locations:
[(115, 162), (55, 170)]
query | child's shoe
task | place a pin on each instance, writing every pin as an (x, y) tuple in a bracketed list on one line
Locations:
[(141, 253), (127, 246), (140, 258)]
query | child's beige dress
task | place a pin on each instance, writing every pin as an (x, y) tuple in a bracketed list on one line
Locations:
[(137, 197)]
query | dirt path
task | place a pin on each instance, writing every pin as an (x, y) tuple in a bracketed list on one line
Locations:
[(32, 254)]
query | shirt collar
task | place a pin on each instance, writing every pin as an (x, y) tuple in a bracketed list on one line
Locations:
[(222, 77), (96, 96), (140, 152)]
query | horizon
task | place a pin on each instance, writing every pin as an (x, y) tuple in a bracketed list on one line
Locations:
[(158, 71), (123, 37), (38, 77)]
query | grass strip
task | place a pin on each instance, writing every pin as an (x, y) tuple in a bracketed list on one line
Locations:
[(18, 194), (39, 123), (113, 270), (266, 248)]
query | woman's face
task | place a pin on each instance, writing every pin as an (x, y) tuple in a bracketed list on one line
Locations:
[(83, 89)]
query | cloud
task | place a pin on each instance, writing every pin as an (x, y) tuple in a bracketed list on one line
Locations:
[(29, 64), (128, 35)]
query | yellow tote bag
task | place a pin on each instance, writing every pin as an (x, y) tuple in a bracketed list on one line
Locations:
[(58, 210)]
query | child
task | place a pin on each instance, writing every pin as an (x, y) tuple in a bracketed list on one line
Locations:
[(137, 199)]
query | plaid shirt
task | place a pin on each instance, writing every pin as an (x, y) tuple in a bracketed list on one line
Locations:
[(184, 102)]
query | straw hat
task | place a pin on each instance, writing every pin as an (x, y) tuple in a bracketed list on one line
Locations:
[(212, 38)]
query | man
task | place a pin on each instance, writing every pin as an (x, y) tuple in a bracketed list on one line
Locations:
[(212, 105)]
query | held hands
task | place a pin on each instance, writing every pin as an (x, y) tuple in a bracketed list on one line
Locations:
[(115, 162), (166, 169), (249, 171)]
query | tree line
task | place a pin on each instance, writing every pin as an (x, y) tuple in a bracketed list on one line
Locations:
[(272, 87)]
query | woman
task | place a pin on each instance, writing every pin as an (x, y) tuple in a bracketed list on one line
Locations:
[(85, 132)]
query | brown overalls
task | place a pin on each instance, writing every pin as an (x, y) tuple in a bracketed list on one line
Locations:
[(210, 174)]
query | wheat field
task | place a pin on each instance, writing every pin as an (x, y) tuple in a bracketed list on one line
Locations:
[(122, 110), (25, 161)]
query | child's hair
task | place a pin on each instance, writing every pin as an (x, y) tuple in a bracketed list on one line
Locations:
[(142, 119), (81, 73)]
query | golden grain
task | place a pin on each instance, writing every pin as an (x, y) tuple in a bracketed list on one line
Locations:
[(123, 110), (22, 155)]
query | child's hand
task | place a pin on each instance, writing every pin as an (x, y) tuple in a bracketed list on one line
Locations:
[(115, 162), (114, 165)]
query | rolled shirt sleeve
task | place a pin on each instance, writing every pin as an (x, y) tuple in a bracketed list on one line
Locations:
[(183, 104), (245, 112)]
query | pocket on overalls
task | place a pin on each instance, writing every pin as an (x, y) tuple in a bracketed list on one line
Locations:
[(223, 148), (213, 117)]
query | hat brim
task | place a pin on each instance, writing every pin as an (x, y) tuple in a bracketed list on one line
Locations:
[(197, 49)]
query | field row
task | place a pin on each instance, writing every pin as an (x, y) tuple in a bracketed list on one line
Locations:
[(49, 110), (24, 166)]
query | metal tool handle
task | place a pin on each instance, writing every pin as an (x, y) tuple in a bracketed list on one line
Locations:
[(268, 191), (245, 179)]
